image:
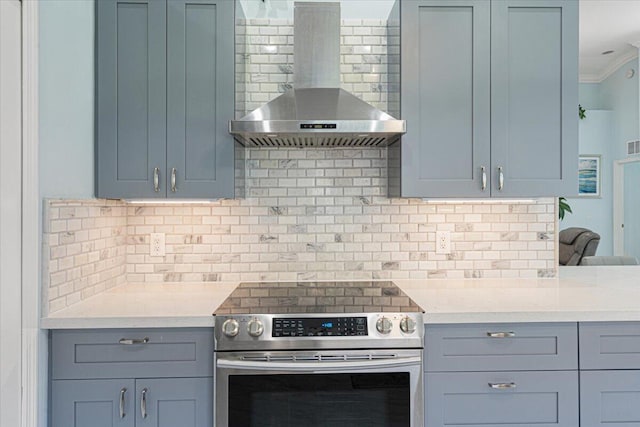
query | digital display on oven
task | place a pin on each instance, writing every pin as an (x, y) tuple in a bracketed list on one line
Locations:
[(319, 327)]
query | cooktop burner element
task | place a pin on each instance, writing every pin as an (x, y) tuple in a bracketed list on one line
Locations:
[(317, 297)]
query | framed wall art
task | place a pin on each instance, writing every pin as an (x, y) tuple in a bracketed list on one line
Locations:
[(589, 176)]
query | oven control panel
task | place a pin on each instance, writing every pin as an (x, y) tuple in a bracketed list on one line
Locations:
[(319, 327)]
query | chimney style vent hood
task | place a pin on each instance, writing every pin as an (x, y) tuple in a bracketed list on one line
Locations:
[(317, 113)]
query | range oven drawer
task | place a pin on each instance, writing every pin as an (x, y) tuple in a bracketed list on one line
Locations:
[(132, 353), (501, 347)]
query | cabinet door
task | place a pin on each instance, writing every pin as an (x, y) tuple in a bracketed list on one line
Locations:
[(445, 75), (172, 402), (506, 399), (131, 97), (609, 398), (200, 98), (610, 345), (534, 97), (92, 403)]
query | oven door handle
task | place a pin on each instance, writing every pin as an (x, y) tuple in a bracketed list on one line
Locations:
[(321, 365)]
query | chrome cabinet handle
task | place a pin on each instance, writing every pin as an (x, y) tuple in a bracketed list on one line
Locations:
[(131, 341), (502, 386), (501, 334), (123, 391), (484, 178), (500, 178), (173, 180), (156, 179), (143, 403)]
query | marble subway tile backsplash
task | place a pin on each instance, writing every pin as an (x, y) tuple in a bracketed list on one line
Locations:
[(309, 214), (84, 250), (322, 214)]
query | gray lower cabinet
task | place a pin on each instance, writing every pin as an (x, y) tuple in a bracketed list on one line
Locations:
[(610, 374), (164, 94), (175, 402), (501, 347), (508, 399), (610, 398), (132, 377), (610, 345), (507, 374), (498, 117), (93, 403), (165, 402)]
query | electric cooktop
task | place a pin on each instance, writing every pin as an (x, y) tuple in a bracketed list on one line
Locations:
[(317, 297)]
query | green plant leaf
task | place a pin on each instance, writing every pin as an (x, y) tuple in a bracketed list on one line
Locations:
[(563, 207)]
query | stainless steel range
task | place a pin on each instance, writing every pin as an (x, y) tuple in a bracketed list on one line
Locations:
[(318, 354)]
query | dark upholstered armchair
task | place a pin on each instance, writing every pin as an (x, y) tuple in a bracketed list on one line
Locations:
[(576, 243)]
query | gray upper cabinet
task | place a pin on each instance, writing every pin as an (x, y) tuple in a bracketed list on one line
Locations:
[(200, 98), (130, 97), (489, 92), (534, 97), (445, 78), (165, 91)]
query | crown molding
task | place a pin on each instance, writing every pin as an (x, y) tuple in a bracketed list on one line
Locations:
[(610, 69)]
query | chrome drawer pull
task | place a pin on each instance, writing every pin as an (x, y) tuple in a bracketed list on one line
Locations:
[(501, 334), (143, 403), (502, 386), (173, 180), (500, 178), (484, 178), (132, 341), (156, 179), (122, 393)]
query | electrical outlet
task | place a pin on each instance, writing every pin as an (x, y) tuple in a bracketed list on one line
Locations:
[(156, 244), (443, 242)]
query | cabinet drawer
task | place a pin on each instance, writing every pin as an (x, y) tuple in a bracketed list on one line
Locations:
[(609, 398), (77, 354), (544, 398), (610, 345), (501, 347)]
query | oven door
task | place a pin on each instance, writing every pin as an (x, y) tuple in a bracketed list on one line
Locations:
[(331, 388)]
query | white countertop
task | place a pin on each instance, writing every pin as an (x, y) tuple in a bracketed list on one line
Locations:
[(137, 305), (580, 294)]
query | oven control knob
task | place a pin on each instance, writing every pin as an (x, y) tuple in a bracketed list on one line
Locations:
[(384, 325), (255, 328), (230, 327), (408, 325)]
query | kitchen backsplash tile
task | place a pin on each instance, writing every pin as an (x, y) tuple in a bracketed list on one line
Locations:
[(309, 214), (84, 250)]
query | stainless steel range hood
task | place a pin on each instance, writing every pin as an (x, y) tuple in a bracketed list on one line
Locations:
[(317, 112)]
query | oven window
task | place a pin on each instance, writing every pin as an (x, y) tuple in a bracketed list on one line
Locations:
[(314, 400)]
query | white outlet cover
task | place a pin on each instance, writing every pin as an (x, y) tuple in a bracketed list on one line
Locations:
[(443, 242), (157, 244)]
